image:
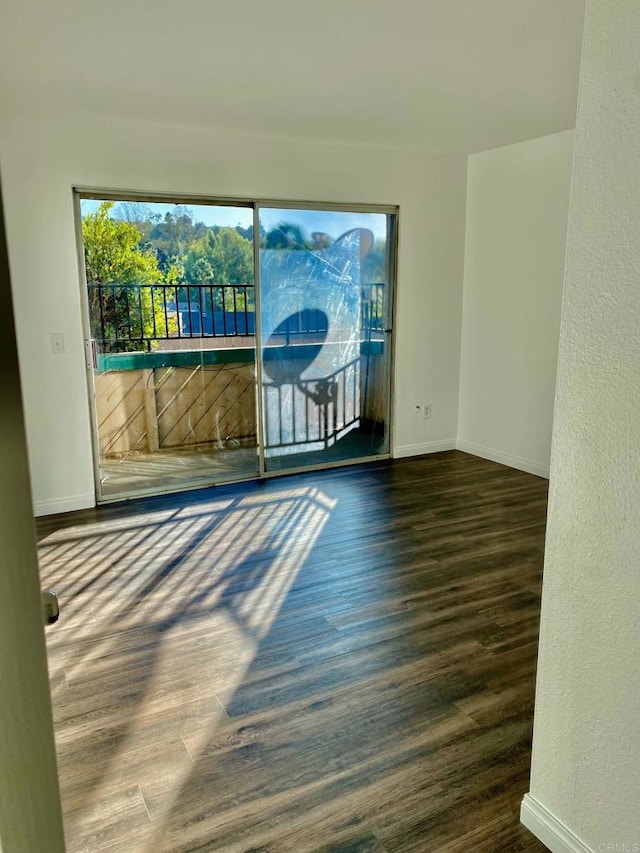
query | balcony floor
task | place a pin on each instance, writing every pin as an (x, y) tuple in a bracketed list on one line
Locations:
[(172, 470), (139, 473)]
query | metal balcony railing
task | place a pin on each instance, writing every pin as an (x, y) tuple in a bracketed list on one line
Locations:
[(132, 317)]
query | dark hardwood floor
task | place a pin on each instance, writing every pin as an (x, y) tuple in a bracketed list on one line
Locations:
[(340, 661)]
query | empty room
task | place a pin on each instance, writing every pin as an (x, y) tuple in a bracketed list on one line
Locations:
[(320, 462)]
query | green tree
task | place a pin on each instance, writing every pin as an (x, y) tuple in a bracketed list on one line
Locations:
[(112, 253), (197, 267), (116, 266), (173, 236), (220, 257), (231, 258), (201, 270), (137, 213), (176, 273), (286, 235)]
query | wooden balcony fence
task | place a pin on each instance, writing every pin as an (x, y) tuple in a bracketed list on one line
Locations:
[(151, 396)]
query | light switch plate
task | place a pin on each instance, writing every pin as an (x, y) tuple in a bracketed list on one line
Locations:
[(56, 342)]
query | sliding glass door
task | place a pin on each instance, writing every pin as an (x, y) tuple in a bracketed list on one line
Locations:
[(171, 346), (230, 341), (326, 281)]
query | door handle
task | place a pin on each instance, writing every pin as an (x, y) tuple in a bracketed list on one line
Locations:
[(50, 606), (90, 354)]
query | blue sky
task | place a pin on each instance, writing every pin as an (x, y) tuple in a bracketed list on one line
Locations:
[(208, 213), (332, 222)]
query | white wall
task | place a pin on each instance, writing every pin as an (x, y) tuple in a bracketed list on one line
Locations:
[(586, 749), (517, 209), (41, 160)]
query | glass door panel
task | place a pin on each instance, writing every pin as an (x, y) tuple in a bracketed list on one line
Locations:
[(325, 308), (172, 351)]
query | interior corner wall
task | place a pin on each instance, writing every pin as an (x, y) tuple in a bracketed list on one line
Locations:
[(517, 211), (42, 158), (585, 777)]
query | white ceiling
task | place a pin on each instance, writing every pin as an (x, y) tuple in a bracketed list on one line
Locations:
[(443, 75)]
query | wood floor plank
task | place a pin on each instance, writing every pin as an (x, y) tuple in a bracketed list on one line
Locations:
[(340, 661)]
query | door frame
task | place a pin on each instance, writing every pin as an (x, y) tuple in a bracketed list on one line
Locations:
[(255, 203)]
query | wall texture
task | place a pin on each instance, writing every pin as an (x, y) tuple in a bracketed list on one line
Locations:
[(586, 750), (517, 209), (42, 158)]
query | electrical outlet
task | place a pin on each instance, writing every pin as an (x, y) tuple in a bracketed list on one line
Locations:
[(426, 411), (419, 410)]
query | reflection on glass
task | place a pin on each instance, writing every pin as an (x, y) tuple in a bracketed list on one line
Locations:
[(325, 291), (170, 292)]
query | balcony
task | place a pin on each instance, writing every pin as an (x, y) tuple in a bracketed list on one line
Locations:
[(175, 380)]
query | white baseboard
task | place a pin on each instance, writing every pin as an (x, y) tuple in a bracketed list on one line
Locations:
[(427, 447), (509, 459), (548, 829), (70, 504)]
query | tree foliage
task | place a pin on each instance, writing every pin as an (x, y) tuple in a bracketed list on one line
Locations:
[(114, 256), (231, 257), (112, 251), (137, 213), (286, 235)]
